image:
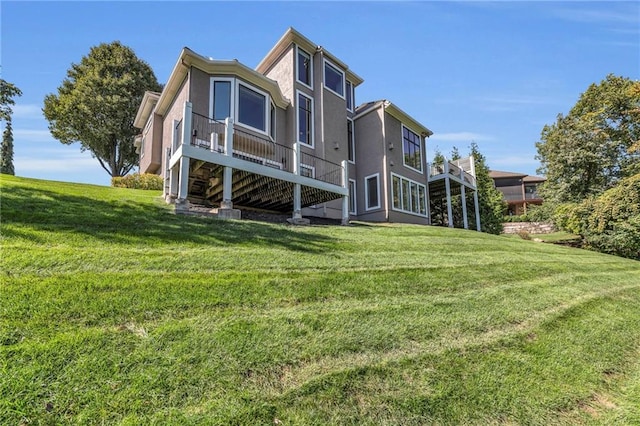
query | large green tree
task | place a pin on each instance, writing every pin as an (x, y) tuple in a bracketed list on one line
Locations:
[(97, 103), (8, 91), (596, 144), (492, 207)]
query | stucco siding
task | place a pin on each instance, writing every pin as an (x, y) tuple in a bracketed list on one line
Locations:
[(283, 72), (200, 91), (370, 158)]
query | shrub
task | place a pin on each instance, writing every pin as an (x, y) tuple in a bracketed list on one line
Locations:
[(138, 181), (524, 234)]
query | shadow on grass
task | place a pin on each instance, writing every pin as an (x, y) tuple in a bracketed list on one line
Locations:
[(133, 222)]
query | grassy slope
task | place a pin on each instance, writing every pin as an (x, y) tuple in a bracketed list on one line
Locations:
[(114, 310)]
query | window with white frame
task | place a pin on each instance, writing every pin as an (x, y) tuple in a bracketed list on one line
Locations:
[(305, 119), (350, 98), (372, 191), (352, 197), (272, 122), (408, 196), (252, 108), (221, 93), (351, 143), (307, 171), (411, 149), (246, 104), (333, 78), (304, 65)]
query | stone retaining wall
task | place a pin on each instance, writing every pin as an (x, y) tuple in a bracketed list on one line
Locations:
[(530, 227)]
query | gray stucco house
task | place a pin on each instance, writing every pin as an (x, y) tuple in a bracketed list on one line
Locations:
[(287, 136)]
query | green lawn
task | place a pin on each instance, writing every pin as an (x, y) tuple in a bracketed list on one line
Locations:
[(113, 310)]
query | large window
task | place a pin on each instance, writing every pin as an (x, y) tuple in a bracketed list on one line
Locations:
[(333, 79), (305, 119), (352, 197), (252, 107), (409, 196), (349, 96), (351, 145), (372, 191), (221, 100), (411, 148), (246, 104), (305, 67)]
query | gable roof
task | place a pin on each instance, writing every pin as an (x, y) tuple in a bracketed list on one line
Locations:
[(293, 36), (395, 112)]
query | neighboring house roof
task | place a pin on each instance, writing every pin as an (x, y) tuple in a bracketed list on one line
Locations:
[(394, 111), (497, 174), (293, 36), (187, 59), (533, 179)]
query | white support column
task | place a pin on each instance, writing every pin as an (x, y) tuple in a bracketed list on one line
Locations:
[(345, 198), (464, 207), (476, 205), (173, 185), (297, 189), (186, 124), (182, 203), (447, 185), (226, 210)]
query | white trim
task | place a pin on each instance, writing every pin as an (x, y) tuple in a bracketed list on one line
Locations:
[(298, 49), (324, 77), (311, 131), (366, 191), (308, 167), (419, 145), (267, 100), (351, 143), (351, 90), (400, 197), (353, 197), (273, 127)]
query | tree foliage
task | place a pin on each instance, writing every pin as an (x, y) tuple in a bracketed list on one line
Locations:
[(97, 103), (492, 207), (6, 154), (8, 91), (590, 149)]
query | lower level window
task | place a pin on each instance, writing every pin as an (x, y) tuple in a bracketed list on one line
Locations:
[(352, 197), (409, 196), (372, 191)]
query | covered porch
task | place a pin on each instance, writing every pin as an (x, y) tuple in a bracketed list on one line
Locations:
[(221, 165)]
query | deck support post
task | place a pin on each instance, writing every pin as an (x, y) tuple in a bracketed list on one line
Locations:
[(477, 209), (226, 210), (297, 218), (182, 203), (464, 206), (447, 185), (345, 198)]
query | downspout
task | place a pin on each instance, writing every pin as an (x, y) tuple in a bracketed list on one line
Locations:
[(384, 161)]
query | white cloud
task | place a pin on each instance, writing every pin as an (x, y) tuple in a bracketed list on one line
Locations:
[(460, 137), (62, 164), (27, 111), (31, 135)]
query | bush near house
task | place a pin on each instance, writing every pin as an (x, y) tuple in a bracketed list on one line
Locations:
[(138, 181)]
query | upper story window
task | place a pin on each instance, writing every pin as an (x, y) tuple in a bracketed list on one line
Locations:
[(412, 149), (305, 119), (350, 96), (333, 79), (304, 65), (247, 105), (351, 145), (252, 108), (221, 99)]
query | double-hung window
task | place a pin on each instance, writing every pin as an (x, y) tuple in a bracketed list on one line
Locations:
[(412, 149), (304, 64), (333, 78), (408, 196), (352, 197), (305, 119), (221, 93)]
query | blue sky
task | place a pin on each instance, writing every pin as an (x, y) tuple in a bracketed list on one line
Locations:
[(490, 72)]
